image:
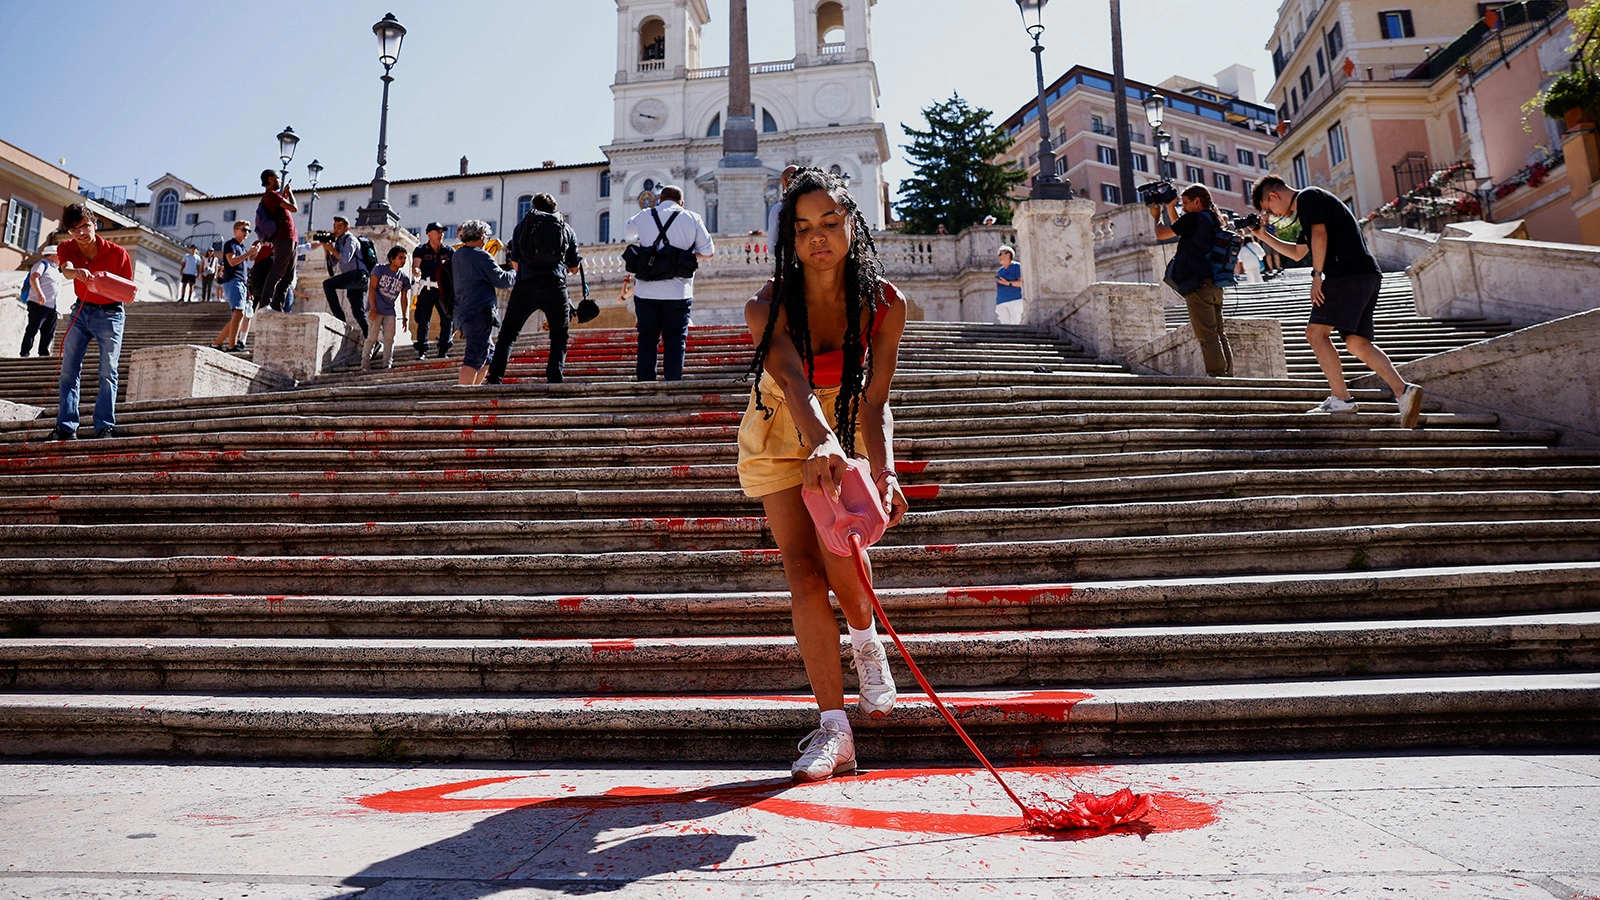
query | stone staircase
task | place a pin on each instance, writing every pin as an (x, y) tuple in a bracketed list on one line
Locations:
[(383, 565), (1401, 332), (36, 381)]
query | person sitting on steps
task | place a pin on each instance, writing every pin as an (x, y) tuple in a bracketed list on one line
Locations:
[(827, 331)]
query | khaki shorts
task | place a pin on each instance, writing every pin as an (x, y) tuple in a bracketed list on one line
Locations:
[(771, 450)]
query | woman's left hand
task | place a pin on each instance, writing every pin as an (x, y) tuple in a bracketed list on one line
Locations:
[(894, 499)]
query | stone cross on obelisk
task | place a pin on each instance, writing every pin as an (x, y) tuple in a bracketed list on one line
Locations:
[(741, 178)]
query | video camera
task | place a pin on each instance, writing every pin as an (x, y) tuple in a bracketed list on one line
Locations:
[(1157, 193), (1242, 223), (321, 237)]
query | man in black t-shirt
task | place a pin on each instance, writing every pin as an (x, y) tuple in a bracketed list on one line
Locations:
[(539, 288), (1345, 279), (425, 262)]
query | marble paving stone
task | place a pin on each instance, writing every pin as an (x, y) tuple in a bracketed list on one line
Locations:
[(1586, 765), (1509, 829), (165, 889)]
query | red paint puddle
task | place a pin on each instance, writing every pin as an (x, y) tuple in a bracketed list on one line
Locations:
[(1012, 596), (761, 555), (1169, 811), (920, 491), (942, 549), (910, 466), (569, 604), (680, 471)]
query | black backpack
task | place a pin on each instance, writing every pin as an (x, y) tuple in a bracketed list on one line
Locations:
[(542, 243), (367, 253), (660, 260)]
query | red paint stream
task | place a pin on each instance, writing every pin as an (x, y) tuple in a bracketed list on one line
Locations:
[(1084, 810)]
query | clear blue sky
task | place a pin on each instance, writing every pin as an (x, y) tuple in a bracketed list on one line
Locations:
[(126, 90)]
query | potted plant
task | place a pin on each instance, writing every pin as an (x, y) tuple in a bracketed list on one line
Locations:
[(1573, 97)]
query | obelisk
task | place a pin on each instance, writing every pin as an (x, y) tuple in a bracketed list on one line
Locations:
[(741, 178)]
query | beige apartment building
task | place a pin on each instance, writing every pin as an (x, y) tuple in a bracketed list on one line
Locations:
[(1357, 84), (1220, 136)]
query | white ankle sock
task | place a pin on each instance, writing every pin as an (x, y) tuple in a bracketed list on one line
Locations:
[(838, 718), (860, 637)]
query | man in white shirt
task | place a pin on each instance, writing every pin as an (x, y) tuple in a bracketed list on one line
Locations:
[(45, 284), (1250, 259), (190, 271), (663, 306), (772, 214)]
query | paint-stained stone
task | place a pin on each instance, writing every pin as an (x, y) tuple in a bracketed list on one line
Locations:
[(1412, 826)]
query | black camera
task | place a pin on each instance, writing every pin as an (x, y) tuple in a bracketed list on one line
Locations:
[(1242, 223), (322, 237), (1157, 193)]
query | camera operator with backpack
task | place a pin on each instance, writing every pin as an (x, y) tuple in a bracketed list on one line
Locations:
[(346, 255), (545, 251), (1191, 272), (670, 241)]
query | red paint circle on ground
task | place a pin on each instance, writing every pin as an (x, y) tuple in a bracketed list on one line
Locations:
[(1169, 811)]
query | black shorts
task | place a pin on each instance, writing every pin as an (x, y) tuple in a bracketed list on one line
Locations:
[(1348, 302), (188, 279)]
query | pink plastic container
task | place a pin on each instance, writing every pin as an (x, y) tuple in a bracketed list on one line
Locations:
[(859, 511), (113, 287)]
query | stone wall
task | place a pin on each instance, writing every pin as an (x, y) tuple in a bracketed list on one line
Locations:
[(1397, 248), (1539, 377), (1125, 248), (1477, 270), (13, 315), (1256, 344), (189, 370), (1110, 318)]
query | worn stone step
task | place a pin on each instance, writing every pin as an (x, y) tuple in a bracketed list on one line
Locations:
[(593, 522), (767, 664), (1151, 556), (1434, 593), (1055, 722)]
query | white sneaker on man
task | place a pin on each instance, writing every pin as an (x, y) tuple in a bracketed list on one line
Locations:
[(825, 753), (877, 691), (1335, 405), (1410, 406)]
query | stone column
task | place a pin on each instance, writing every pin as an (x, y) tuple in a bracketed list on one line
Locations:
[(741, 179)]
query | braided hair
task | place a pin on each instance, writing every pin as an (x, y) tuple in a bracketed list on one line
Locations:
[(863, 296)]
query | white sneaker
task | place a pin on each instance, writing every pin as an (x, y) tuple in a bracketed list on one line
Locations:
[(1334, 405), (824, 753), (877, 693), (1410, 406)]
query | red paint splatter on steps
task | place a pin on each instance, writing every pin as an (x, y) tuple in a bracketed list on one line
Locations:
[(613, 647), (1012, 596), (920, 491), (1168, 811), (910, 466), (569, 604)]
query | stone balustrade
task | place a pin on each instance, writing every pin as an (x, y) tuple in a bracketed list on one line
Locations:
[(1479, 269), (1126, 249), (188, 370)]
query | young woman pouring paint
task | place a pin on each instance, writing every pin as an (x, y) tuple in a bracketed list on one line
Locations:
[(827, 330)]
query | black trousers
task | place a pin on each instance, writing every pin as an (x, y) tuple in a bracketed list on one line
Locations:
[(429, 300), (41, 322), (354, 284), (523, 304)]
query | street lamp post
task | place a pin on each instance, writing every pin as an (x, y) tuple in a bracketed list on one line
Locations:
[(287, 140), (377, 211), (1155, 111), (315, 170), (1046, 185)]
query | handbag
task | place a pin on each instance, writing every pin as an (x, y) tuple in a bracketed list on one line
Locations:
[(586, 309)]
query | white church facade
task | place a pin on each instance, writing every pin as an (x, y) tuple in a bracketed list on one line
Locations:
[(818, 108)]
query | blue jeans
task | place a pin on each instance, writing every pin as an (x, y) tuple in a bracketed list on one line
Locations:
[(666, 321), (104, 324)]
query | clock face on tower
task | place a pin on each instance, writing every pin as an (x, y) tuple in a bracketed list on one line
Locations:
[(648, 116)]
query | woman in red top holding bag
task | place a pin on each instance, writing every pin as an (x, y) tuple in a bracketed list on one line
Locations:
[(827, 330), (102, 276)]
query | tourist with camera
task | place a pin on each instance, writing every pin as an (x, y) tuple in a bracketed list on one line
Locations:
[(1345, 280), (677, 239), (348, 270), (1190, 272)]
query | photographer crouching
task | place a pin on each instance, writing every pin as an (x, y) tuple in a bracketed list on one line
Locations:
[(1190, 272)]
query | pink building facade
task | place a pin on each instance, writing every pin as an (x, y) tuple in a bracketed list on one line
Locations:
[(1218, 139)]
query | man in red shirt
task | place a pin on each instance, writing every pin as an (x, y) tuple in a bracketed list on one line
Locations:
[(279, 207), (96, 315)]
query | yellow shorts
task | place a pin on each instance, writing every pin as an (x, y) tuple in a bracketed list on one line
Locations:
[(771, 450)]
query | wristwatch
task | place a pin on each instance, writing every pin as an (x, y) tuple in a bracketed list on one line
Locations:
[(1317, 272)]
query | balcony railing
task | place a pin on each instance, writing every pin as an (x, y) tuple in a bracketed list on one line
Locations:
[(1189, 150), (755, 69), (831, 49), (652, 65), (1219, 157), (1102, 128)]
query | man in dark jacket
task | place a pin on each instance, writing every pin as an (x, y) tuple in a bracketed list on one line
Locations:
[(545, 250), (425, 264)]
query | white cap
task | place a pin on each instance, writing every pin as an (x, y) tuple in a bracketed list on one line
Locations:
[(47, 250)]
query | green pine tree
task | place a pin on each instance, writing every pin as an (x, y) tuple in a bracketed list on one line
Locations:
[(955, 182)]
